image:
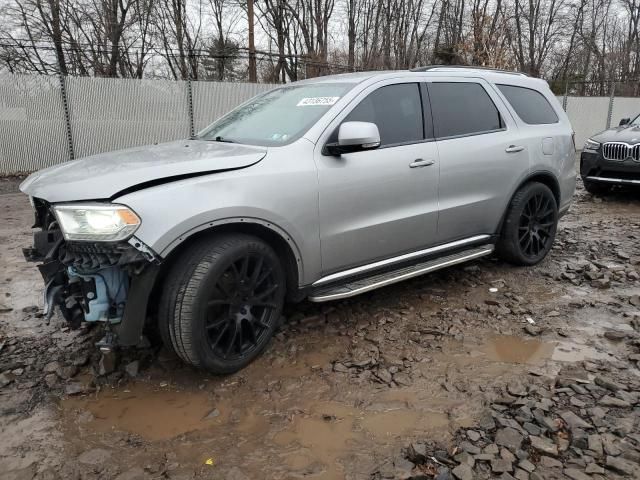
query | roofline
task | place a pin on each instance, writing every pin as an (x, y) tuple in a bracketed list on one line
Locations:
[(427, 68)]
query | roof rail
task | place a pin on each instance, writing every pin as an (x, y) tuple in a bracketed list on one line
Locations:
[(470, 67)]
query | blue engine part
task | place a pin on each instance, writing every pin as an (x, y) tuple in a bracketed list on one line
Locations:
[(106, 301)]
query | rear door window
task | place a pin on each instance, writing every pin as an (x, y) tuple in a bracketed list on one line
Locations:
[(462, 108), (530, 105), (396, 110)]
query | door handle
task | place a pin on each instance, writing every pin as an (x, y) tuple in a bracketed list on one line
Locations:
[(514, 148), (419, 162)]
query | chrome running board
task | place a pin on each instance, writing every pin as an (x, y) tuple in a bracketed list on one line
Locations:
[(356, 287), (614, 180), (399, 259)]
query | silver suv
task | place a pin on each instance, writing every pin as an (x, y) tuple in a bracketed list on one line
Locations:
[(321, 189)]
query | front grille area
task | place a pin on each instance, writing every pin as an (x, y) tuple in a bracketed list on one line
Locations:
[(93, 256), (620, 151)]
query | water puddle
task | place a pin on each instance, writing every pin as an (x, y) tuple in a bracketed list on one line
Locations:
[(319, 440), (148, 412), (331, 430), (511, 349), (300, 439), (388, 425)]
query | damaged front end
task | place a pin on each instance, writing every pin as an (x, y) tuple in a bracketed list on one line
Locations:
[(93, 281)]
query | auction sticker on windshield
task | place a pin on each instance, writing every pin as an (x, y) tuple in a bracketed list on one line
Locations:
[(310, 101)]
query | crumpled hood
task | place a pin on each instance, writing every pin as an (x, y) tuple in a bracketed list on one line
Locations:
[(627, 133), (108, 174)]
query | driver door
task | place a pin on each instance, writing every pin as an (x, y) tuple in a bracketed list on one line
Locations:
[(380, 203)]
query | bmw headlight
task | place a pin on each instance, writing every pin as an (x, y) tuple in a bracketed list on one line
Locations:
[(99, 223), (591, 146)]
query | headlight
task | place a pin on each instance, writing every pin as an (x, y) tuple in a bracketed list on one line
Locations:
[(591, 146), (100, 223)]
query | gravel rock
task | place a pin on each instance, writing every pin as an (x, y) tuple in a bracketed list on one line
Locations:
[(463, 472), (500, 465), (544, 445), (595, 445), (417, 452), (594, 468), (132, 368), (609, 384), (623, 466), (574, 421), (615, 335), (52, 367), (340, 368), (609, 401), (509, 437), (473, 435), (526, 465), (76, 388), (576, 474), (5, 379)]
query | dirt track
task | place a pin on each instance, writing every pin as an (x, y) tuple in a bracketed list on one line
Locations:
[(445, 363)]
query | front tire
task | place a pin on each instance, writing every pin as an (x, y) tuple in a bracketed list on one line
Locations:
[(222, 302), (530, 225)]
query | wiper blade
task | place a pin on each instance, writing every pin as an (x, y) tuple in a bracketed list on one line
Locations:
[(225, 140)]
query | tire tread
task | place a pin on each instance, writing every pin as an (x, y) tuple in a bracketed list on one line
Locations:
[(181, 287)]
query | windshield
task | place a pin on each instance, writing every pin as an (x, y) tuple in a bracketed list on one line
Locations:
[(278, 117), (635, 121)]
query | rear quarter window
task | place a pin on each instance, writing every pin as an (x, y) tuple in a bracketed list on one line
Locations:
[(531, 106)]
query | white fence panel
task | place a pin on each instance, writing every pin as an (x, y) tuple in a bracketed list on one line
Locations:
[(114, 113), (32, 125), (588, 115), (624, 107), (211, 100)]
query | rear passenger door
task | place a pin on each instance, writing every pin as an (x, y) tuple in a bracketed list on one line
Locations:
[(480, 156)]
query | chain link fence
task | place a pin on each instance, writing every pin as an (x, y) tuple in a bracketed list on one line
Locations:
[(46, 120)]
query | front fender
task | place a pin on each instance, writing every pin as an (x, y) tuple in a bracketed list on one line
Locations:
[(279, 193)]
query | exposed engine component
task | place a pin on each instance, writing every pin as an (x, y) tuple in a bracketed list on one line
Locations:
[(102, 293), (88, 281)]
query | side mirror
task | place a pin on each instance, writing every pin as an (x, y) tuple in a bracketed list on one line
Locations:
[(355, 137), (624, 121)]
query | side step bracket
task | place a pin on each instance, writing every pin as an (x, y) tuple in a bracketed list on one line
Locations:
[(356, 287)]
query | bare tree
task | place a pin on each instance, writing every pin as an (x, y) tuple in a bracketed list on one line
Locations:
[(179, 36)]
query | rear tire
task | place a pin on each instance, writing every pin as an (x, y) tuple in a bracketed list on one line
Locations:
[(596, 188), (222, 302), (530, 225)]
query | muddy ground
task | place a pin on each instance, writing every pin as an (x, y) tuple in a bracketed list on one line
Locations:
[(479, 371)]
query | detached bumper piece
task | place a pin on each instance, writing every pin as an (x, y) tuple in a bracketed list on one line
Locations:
[(94, 282)]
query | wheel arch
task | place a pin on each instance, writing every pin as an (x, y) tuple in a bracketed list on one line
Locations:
[(270, 233), (541, 176)]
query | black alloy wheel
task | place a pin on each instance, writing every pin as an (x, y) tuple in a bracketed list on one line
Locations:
[(222, 302), (537, 225), (529, 227), (242, 307)]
